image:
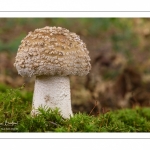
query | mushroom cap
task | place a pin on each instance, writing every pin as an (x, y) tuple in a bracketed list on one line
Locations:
[(52, 51)]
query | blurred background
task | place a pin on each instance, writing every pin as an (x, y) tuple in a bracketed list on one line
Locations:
[(120, 57)]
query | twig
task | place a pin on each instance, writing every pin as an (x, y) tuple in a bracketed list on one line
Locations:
[(135, 102), (53, 123), (93, 108)]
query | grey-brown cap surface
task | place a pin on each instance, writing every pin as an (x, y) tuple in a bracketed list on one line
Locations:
[(52, 51)]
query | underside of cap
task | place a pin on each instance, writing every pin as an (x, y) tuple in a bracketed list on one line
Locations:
[(52, 51)]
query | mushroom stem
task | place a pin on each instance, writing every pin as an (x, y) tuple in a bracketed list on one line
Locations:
[(52, 92)]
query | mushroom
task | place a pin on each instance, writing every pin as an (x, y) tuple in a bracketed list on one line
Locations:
[(52, 54)]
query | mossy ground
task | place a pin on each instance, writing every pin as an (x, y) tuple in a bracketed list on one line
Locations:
[(15, 107)]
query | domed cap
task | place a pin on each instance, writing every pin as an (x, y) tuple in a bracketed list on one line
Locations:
[(52, 51)]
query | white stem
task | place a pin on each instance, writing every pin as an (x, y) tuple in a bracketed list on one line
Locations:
[(52, 92)]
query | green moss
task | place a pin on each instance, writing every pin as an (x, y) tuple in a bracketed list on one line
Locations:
[(15, 106)]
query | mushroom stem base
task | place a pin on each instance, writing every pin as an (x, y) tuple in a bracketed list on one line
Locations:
[(52, 92)]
